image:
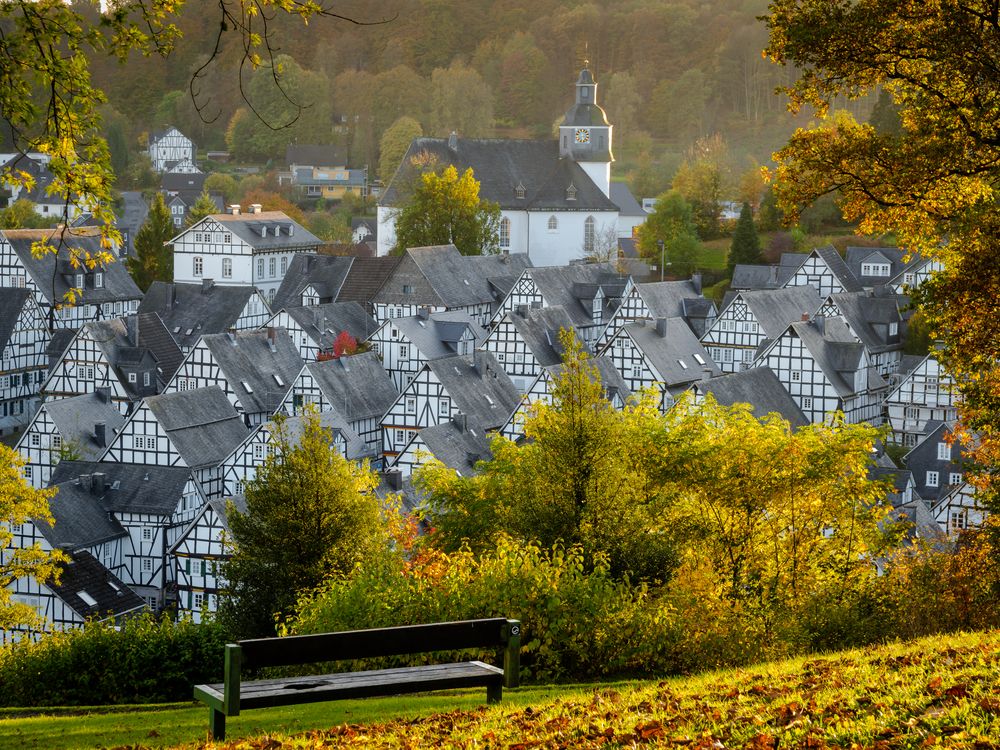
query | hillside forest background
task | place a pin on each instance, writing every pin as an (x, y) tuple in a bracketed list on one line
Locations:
[(673, 75)]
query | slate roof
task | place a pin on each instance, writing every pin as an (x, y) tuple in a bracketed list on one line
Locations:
[(202, 425), (500, 165), (667, 352), (838, 266), (775, 309), (12, 301), (568, 287), (188, 182), (356, 386), (835, 350), (153, 334), (59, 342), (118, 285), (83, 573), (325, 273), (870, 318), (760, 388), (315, 156), (323, 323), (611, 378), (248, 227), (365, 277), (675, 299), (478, 387), (856, 257), (189, 311), (141, 488), (540, 330), (80, 519), (260, 361), (622, 197), (435, 335), (761, 277), (76, 417), (458, 446), (333, 421), (120, 348)]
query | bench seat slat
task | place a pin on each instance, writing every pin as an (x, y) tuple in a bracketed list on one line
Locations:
[(312, 688)]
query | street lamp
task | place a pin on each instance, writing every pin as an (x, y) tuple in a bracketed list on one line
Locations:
[(659, 244)]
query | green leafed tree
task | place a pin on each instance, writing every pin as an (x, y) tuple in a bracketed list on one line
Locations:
[(153, 259), (396, 139), (202, 207), (745, 249), (310, 514), (445, 208), (671, 217), (20, 503), (226, 185)]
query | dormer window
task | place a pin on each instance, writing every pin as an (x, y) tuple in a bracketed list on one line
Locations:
[(99, 280), (519, 191), (79, 281), (571, 193)]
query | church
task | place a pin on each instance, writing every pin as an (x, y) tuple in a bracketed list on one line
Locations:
[(557, 201)]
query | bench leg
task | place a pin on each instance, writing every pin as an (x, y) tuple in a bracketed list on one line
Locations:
[(217, 724), (494, 693)]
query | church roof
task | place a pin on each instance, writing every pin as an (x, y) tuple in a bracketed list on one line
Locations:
[(501, 165)]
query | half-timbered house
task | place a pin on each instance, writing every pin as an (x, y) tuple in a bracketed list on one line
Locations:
[(315, 328), (24, 337), (663, 299), (664, 355), (80, 427), (197, 429), (475, 386), (356, 387), (528, 340), (319, 279), (825, 369), (959, 510), (198, 555), (938, 463), (759, 387), (749, 319), (747, 278), (874, 267), (169, 147), (440, 278), (925, 394), (915, 273), (876, 322), (459, 444), (190, 311), (824, 270), (405, 345), (255, 370), (105, 291), (241, 249)]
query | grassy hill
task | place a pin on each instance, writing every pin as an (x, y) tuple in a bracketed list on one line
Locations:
[(942, 691)]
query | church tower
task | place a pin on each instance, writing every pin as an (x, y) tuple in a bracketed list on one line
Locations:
[(585, 134)]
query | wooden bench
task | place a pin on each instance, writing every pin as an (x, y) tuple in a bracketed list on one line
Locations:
[(233, 695)]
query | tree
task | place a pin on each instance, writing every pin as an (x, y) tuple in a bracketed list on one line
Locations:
[(202, 207), (395, 141), (224, 184), (270, 201), (153, 259), (671, 217), (746, 244), (445, 208), (22, 215), (461, 101), (933, 183), (622, 102), (701, 179), (581, 477), (21, 503), (310, 513), (682, 253)]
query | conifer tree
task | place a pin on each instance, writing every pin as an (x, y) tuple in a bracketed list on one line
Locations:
[(746, 244), (202, 207), (153, 259)]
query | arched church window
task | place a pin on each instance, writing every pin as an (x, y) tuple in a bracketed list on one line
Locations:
[(589, 234), (553, 223), (504, 232)]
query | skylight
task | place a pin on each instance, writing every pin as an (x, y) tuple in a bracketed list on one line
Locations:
[(87, 598), (246, 386), (682, 363), (489, 400), (698, 359), (278, 380)]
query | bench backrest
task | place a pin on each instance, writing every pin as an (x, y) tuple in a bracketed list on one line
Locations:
[(363, 644)]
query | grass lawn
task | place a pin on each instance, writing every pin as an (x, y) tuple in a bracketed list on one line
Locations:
[(936, 692)]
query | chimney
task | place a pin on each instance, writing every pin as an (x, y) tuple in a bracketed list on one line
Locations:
[(820, 322), (255, 208), (234, 209), (394, 478), (231, 334), (805, 317), (453, 141), (103, 394), (132, 329), (97, 483), (461, 422), (696, 282), (773, 278), (661, 327), (423, 312), (101, 434), (86, 481), (206, 285), (171, 296), (272, 336), (522, 310)]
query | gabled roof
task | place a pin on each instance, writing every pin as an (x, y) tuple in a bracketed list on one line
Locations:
[(124, 488), (539, 328), (323, 323), (774, 309), (80, 520), (622, 197), (436, 335), (856, 257), (306, 155), (500, 166), (83, 574), (563, 286), (674, 299), (478, 387), (356, 386), (760, 388), (864, 313), (12, 302), (366, 277), (267, 361), (325, 273), (268, 230), (675, 352), (611, 378), (153, 335), (48, 270), (458, 443), (113, 337), (76, 417), (333, 421), (838, 267), (189, 311), (761, 277), (59, 342), (202, 425), (835, 350), (182, 181)]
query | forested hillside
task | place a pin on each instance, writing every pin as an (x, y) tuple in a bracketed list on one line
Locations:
[(670, 71)]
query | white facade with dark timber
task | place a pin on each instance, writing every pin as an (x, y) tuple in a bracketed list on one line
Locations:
[(24, 336), (168, 148), (825, 270), (926, 394), (84, 368), (959, 510)]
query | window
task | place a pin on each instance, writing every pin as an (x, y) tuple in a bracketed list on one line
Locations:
[(411, 404), (272, 267), (57, 442), (404, 351), (727, 355), (636, 371), (147, 535), (796, 376), (227, 238), (258, 452), (932, 479), (227, 268), (147, 565), (36, 440), (955, 477), (131, 377), (400, 436), (145, 378), (894, 329), (943, 452), (911, 412), (519, 191), (98, 280), (958, 520), (553, 223), (260, 268), (199, 265), (444, 407), (907, 278), (27, 472), (504, 232), (79, 281), (589, 234), (284, 264), (807, 403)]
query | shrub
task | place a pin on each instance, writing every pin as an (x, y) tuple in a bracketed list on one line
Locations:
[(148, 660)]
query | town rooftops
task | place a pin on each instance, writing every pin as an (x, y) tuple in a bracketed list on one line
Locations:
[(622, 197), (307, 155), (836, 351), (611, 378), (79, 518), (323, 323), (458, 443), (202, 425), (324, 273), (760, 388), (774, 309), (123, 488), (357, 386), (79, 422), (478, 387), (189, 311), (761, 277), (267, 230), (436, 335), (675, 352), (540, 330), (870, 319), (93, 591), (258, 365), (126, 341), (571, 286), (12, 301)]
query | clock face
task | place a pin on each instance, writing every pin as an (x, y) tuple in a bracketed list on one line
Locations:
[(582, 135)]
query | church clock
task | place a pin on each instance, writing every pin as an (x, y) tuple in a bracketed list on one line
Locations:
[(583, 135)]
